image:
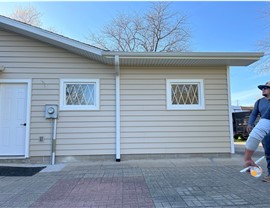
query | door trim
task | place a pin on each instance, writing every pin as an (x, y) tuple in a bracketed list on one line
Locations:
[(28, 108)]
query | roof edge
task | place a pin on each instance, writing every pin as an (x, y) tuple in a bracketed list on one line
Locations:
[(185, 58), (128, 58), (185, 55), (43, 35)]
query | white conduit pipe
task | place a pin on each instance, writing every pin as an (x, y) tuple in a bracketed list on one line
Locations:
[(53, 142)]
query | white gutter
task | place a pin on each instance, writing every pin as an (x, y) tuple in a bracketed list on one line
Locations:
[(230, 110), (117, 103)]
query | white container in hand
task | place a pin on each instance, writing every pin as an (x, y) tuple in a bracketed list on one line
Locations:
[(256, 171)]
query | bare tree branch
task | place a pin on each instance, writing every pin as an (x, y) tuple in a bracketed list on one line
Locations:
[(263, 66), (29, 15), (158, 30)]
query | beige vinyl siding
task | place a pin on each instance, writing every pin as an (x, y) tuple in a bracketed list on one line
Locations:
[(146, 124), (78, 132), (148, 127)]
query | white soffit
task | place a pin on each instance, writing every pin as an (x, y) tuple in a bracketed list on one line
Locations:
[(187, 59)]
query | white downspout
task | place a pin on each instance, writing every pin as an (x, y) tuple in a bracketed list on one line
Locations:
[(230, 109), (117, 103)]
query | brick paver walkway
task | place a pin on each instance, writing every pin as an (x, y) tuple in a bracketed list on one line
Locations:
[(170, 183), (112, 192)]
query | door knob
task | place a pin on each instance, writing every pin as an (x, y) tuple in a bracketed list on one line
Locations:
[(24, 124)]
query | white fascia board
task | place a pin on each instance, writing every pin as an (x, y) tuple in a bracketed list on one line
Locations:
[(46, 36)]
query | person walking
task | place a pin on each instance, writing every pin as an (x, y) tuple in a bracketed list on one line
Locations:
[(261, 107)]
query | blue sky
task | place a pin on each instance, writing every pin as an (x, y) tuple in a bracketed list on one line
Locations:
[(216, 26)]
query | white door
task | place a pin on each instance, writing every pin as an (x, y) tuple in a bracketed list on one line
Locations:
[(13, 107)]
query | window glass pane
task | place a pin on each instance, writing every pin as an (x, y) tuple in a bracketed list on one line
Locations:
[(184, 94), (80, 94)]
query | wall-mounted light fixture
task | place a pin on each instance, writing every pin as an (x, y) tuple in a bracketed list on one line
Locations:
[(2, 68)]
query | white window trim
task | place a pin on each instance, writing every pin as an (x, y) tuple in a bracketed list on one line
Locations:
[(62, 105), (201, 104)]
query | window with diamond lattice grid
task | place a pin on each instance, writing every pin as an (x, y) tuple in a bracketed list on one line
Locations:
[(80, 94), (184, 94)]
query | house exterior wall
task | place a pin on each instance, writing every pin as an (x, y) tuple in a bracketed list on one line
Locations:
[(148, 127), (78, 132)]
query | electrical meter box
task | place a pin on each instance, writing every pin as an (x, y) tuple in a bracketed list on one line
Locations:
[(51, 111)]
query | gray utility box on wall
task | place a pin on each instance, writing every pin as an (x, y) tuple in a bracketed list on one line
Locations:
[(51, 111)]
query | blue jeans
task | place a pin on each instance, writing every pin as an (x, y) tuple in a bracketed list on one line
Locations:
[(266, 146)]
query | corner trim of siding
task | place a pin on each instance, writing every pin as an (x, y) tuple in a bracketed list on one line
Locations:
[(230, 110)]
